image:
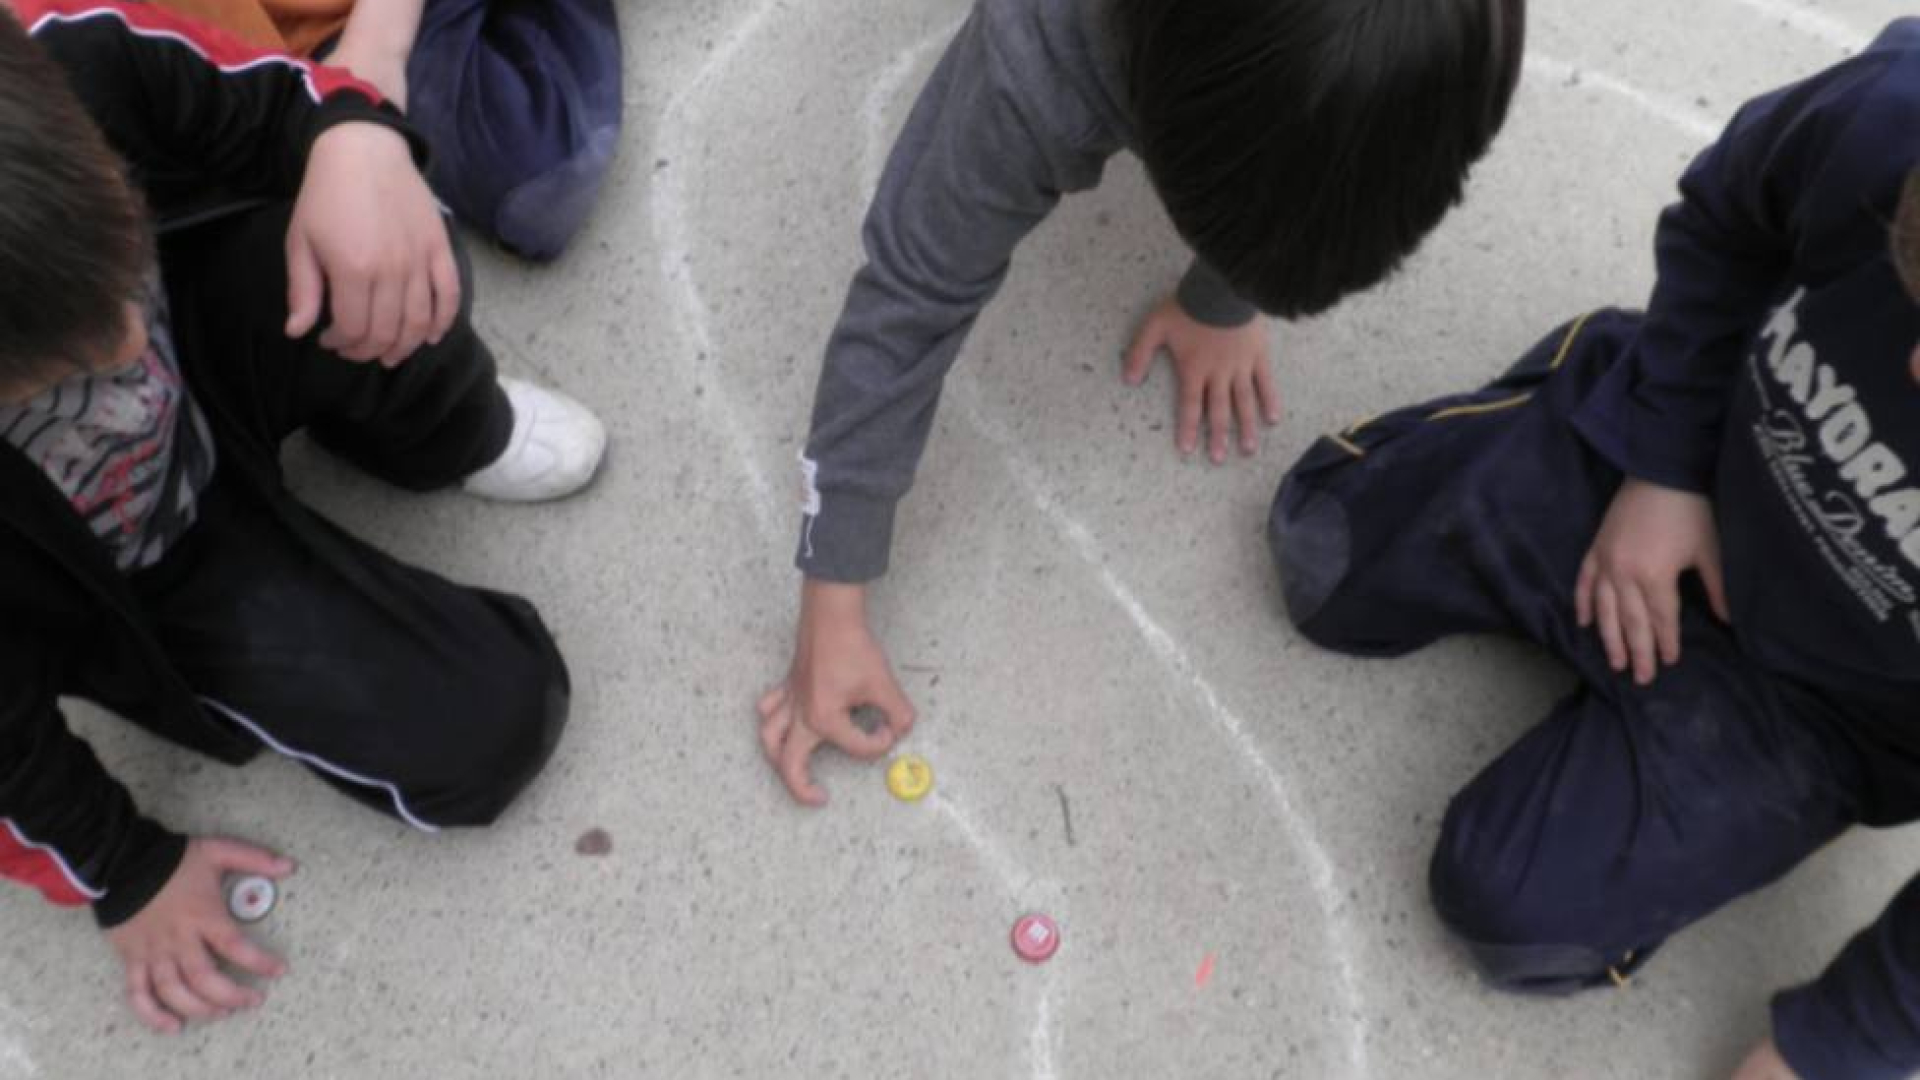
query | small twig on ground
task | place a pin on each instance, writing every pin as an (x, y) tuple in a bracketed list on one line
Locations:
[(1066, 813)]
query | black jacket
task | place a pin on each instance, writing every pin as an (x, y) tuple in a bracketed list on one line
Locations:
[(206, 125)]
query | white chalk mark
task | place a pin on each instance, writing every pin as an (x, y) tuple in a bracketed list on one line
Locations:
[(671, 239), (1162, 644), (1679, 115), (887, 87), (1168, 651), (1018, 884), (671, 234), (1815, 24), (1040, 1043), (15, 1061), (1676, 114)]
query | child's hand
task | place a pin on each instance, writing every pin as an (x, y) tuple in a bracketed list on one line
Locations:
[(837, 667), (1630, 580), (368, 241), (1224, 374), (1765, 1063), (172, 947)]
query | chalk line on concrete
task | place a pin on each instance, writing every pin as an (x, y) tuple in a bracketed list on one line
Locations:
[(1161, 643), (1015, 881), (766, 508), (16, 1061), (1815, 24), (1171, 655), (672, 230), (1040, 1042), (17, 1064), (672, 240), (672, 234), (1676, 114)]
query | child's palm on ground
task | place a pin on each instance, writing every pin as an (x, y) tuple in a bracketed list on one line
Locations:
[(1225, 376)]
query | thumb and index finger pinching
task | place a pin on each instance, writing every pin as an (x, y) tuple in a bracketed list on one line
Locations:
[(840, 729), (870, 741)]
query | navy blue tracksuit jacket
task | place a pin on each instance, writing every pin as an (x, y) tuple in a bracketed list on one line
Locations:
[(1770, 372)]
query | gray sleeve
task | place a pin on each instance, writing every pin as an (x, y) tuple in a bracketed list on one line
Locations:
[(973, 171), (1207, 298)]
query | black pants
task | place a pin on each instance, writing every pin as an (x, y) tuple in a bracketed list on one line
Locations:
[(421, 698), (1629, 812)]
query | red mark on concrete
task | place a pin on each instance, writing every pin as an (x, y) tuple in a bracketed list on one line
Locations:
[(1205, 974)]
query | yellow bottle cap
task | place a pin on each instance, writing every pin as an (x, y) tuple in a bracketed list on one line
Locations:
[(909, 778)]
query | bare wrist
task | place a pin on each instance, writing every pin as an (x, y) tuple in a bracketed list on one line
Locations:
[(362, 141), (832, 600)]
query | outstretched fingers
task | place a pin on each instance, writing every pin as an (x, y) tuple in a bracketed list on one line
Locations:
[(1246, 409), (146, 1001), (174, 993), (1146, 346), (233, 946)]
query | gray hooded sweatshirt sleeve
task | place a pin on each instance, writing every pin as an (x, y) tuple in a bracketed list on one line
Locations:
[(1023, 108)]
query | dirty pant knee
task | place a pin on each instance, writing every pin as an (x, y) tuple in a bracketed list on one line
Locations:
[(1312, 546), (1519, 941)]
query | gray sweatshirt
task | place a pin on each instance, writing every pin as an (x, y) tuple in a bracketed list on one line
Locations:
[(1027, 105)]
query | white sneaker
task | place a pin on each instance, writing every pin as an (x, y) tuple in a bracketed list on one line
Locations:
[(555, 447)]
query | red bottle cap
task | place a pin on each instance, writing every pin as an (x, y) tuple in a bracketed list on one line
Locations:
[(1035, 938)]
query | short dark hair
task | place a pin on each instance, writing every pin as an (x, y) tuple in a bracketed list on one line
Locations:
[(75, 239), (1305, 147)]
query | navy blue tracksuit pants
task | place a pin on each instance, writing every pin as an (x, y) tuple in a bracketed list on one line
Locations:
[(1629, 812)]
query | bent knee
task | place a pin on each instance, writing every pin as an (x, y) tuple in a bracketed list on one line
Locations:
[(1521, 938), (502, 762), (509, 732), (1312, 546)]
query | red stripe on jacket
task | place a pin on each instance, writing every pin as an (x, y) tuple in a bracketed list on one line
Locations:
[(217, 46), (39, 867)]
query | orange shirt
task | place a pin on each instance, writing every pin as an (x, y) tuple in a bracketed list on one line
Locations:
[(292, 26)]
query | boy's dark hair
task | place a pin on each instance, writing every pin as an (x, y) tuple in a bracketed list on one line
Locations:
[(1304, 147), (75, 242), (1906, 235)]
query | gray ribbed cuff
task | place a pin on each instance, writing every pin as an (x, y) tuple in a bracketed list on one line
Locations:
[(849, 540), (1207, 298)]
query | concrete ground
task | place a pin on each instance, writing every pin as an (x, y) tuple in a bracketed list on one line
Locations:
[(1126, 733)]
